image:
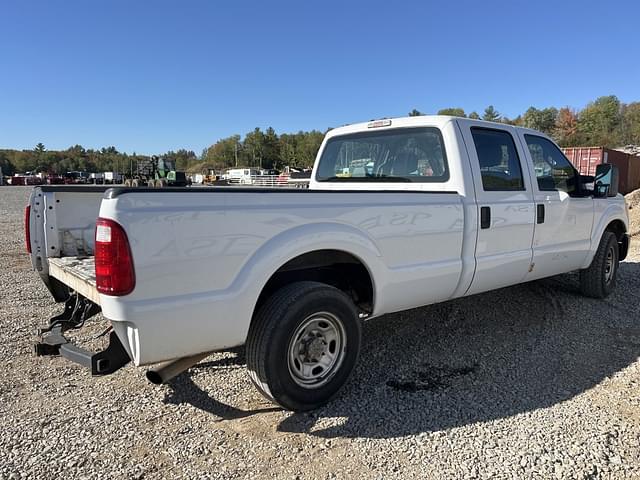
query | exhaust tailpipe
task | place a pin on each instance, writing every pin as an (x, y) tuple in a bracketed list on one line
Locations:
[(164, 372)]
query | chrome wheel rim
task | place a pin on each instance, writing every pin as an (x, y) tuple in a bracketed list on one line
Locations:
[(609, 266), (316, 350)]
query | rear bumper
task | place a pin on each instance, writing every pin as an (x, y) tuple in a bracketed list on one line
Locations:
[(162, 329)]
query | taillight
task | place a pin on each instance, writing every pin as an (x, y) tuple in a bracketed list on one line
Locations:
[(114, 263), (27, 227)]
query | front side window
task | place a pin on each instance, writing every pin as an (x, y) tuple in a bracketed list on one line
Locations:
[(499, 161), (398, 155), (553, 170)]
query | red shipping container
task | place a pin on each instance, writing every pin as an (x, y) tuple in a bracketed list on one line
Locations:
[(585, 159)]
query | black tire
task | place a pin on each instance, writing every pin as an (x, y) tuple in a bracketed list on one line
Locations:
[(599, 280), (271, 345)]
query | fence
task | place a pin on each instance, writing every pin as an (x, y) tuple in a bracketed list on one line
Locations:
[(278, 181)]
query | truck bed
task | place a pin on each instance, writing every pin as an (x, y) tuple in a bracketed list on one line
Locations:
[(78, 273)]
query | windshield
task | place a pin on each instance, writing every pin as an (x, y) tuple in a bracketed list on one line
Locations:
[(398, 155), (166, 165)]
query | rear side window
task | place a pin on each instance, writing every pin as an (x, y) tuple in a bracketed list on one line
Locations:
[(499, 161), (398, 155), (553, 170)]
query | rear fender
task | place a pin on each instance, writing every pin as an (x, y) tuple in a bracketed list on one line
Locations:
[(292, 243)]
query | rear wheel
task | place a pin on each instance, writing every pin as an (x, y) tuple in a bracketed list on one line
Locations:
[(599, 280), (303, 344)]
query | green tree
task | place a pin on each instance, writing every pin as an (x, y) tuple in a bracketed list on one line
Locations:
[(454, 112), (415, 113), (254, 144), (543, 120), (630, 124), (271, 149), (6, 166), (491, 114), (308, 146), (288, 145), (474, 115), (599, 120), (224, 153), (184, 158)]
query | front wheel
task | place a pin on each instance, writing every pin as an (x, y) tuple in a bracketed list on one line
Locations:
[(303, 344), (599, 280)]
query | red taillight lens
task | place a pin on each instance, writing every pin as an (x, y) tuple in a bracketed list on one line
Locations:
[(27, 227), (114, 263)]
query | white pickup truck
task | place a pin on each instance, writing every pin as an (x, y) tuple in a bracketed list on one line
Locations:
[(400, 213)]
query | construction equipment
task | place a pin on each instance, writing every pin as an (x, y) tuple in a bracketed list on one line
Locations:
[(156, 172)]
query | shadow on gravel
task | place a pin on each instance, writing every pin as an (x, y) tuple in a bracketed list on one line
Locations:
[(184, 390), (481, 358)]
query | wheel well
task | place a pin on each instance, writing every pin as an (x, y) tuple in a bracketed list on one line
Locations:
[(333, 267), (617, 227)]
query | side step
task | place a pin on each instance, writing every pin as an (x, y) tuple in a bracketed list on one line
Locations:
[(104, 362)]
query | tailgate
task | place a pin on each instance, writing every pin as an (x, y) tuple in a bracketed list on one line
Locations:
[(78, 273)]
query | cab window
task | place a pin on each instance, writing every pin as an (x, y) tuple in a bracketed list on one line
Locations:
[(553, 171), (395, 155), (499, 161)]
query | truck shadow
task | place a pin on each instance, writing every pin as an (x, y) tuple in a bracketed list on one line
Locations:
[(481, 358), (475, 359), (182, 389)]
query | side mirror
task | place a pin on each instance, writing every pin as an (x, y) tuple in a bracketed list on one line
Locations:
[(606, 181)]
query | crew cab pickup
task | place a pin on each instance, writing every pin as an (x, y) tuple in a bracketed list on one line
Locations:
[(399, 213)]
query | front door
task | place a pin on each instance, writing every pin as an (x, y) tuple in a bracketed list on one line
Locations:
[(564, 220)]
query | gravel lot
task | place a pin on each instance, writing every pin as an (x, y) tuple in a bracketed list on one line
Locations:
[(532, 381)]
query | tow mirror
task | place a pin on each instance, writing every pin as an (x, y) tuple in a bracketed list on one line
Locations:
[(606, 181)]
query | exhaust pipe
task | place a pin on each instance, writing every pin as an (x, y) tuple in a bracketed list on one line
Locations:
[(164, 372)]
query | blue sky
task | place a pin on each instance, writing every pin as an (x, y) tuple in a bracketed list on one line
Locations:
[(149, 76)]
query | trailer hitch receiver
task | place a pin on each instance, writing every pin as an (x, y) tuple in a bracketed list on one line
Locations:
[(104, 362)]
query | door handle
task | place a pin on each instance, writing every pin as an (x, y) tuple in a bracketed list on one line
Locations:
[(485, 217), (540, 213)]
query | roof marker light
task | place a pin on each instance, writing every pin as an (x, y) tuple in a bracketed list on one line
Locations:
[(379, 123)]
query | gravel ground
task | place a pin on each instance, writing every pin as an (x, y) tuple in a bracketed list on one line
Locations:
[(532, 381)]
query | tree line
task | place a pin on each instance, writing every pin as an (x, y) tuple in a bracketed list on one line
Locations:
[(77, 158), (604, 122)]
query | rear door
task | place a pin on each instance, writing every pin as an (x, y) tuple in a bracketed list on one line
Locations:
[(562, 238), (505, 205)]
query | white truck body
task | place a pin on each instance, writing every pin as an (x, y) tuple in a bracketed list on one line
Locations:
[(113, 177), (241, 176), (202, 257)]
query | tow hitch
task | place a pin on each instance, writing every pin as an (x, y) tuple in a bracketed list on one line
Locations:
[(52, 341)]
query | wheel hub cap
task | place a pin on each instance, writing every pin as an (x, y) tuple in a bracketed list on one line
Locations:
[(316, 350)]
